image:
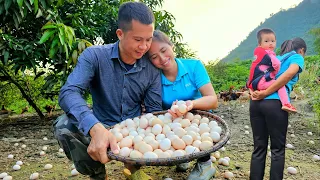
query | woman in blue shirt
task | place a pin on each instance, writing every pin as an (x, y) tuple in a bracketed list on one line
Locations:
[(267, 118), (183, 79)]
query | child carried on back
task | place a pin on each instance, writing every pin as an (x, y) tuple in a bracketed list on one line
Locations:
[(265, 67)]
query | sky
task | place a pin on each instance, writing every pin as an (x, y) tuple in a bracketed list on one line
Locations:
[(213, 28)]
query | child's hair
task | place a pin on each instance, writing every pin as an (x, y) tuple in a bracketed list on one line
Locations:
[(293, 45), (264, 31), (161, 37)]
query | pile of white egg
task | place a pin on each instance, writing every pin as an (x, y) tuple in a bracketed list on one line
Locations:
[(161, 136)]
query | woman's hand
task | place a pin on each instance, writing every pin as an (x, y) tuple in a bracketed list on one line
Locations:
[(259, 95), (177, 113)]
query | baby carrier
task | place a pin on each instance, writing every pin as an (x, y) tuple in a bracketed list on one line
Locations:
[(255, 73)]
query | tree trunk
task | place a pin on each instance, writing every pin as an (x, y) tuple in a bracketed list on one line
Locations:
[(24, 95)]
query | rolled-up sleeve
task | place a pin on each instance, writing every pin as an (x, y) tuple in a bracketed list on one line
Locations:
[(153, 98), (71, 94)]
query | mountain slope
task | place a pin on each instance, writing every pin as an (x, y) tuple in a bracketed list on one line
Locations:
[(287, 24)]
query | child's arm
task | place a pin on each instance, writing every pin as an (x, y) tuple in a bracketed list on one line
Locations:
[(275, 61)]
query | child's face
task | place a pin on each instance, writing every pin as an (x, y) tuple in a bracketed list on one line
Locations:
[(268, 41)]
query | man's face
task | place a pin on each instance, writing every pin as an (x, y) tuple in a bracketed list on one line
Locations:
[(136, 41)]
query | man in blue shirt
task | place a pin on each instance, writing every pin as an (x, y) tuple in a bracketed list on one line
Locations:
[(119, 78)]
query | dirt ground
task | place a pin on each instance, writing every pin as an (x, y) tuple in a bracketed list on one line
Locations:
[(27, 131)]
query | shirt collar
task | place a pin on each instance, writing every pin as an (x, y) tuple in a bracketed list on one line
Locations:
[(181, 72), (115, 54)]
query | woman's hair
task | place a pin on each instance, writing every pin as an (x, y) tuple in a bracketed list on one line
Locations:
[(293, 45), (161, 37)]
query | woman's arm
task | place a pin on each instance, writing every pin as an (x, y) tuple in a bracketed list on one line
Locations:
[(208, 100), (280, 82)]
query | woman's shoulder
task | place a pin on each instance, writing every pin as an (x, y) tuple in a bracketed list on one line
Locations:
[(188, 62), (290, 55)]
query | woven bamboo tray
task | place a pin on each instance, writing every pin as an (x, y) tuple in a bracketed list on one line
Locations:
[(225, 135)]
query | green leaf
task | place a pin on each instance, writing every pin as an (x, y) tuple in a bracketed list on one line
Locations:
[(43, 3), (36, 6), (6, 57), (16, 22), (61, 36), (47, 34), (28, 5), (18, 16), (39, 14), (20, 3), (54, 42), (7, 4), (1, 9), (53, 52), (49, 26), (31, 2)]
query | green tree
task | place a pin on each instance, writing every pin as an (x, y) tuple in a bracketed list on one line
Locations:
[(52, 33)]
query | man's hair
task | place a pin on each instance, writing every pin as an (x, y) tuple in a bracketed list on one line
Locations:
[(264, 31), (134, 11)]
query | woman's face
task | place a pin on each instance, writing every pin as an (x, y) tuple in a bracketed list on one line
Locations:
[(161, 55)]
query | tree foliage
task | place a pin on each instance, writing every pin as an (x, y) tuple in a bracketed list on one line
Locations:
[(51, 34)]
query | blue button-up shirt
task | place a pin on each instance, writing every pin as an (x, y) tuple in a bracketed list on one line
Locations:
[(117, 94)]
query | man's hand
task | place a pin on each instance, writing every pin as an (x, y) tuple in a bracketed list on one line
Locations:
[(101, 139), (177, 113), (258, 95)]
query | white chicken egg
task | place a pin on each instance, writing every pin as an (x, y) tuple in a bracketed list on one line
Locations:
[(189, 116), (160, 137), (182, 108), (197, 116), (191, 149), (292, 170), (187, 139), (212, 124), (48, 166), (125, 151), (174, 108), (156, 129), (166, 129), (129, 122), (204, 120), (34, 175), (149, 115), (196, 143), (150, 155), (143, 123), (165, 144), (137, 139), (217, 129), (215, 136), (178, 153), (124, 132), (2, 175), (74, 172), (16, 167)]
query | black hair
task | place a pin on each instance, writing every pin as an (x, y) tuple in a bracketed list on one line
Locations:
[(161, 37), (134, 11), (293, 45), (264, 31)]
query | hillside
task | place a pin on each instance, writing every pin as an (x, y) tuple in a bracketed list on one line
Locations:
[(294, 22)]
